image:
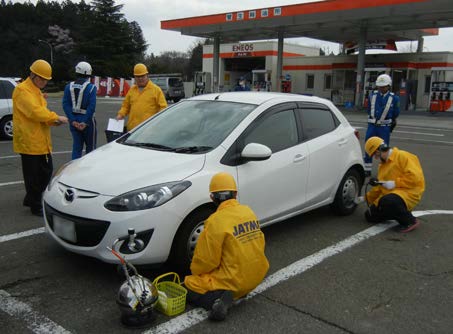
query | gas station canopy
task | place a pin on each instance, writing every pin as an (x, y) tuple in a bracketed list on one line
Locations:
[(332, 20)]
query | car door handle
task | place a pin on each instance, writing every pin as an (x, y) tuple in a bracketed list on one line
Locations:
[(299, 157), (342, 142)]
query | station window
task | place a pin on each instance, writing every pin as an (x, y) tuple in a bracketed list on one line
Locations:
[(349, 80), (229, 17), (328, 81), (252, 14), (240, 16), (310, 81), (427, 84), (264, 12), (277, 11)]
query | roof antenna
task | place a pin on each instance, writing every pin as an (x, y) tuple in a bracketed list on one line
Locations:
[(217, 97)]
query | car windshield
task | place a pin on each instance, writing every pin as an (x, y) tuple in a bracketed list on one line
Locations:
[(190, 126)]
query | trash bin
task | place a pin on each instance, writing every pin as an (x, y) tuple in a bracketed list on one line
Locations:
[(112, 135)]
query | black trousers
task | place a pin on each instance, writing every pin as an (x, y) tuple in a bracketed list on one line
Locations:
[(203, 300), (37, 171), (390, 207)]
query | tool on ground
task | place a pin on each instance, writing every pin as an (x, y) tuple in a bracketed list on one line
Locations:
[(137, 296)]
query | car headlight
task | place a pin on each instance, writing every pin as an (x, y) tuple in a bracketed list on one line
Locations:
[(148, 197), (56, 174)]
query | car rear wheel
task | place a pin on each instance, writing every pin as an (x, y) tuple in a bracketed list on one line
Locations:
[(348, 190), (186, 238), (6, 127)]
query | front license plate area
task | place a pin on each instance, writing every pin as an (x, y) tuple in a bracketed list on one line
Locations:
[(64, 229)]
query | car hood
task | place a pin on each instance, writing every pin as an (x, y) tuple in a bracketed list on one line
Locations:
[(114, 169)]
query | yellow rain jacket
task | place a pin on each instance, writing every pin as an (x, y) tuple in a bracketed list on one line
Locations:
[(405, 169), (230, 252), (141, 105), (31, 119)]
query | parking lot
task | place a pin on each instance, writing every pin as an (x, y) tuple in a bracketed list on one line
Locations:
[(328, 274)]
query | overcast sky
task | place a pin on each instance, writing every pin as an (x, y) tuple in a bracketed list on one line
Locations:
[(149, 13)]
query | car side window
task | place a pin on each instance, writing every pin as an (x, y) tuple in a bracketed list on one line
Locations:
[(2, 91), (277, 131), (317, 122), (6, 89)]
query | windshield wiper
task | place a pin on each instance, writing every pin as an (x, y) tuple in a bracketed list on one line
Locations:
[(192, 149), (151, 145)]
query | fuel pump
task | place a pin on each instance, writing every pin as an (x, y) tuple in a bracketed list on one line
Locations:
[(261, 80), (441, 94), (202, 82)]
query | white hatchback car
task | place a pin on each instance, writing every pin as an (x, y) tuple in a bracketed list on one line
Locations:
[(288, 153), (7, 86)]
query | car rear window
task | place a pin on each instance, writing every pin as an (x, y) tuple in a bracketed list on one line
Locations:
[(175, 82)]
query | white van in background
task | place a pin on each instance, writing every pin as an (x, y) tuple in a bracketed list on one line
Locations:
[(171, 84)]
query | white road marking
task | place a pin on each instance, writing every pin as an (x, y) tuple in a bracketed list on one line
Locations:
[(421, 133), (34, 321), (424, 140), (195, 316), (410, 127), (19, 235), (18, 155), (10, 183)]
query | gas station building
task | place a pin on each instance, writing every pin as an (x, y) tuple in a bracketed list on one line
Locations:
[(422, 79)]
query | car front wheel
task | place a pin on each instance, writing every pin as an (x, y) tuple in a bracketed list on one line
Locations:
[(347, 192), (6, 127), (186, 238)]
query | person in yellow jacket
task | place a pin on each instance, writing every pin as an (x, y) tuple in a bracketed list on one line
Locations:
[(143, 100), (229, 259), (400, 188), (31, 133)]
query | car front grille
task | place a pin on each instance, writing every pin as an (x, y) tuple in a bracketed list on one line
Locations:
[(89, 231)]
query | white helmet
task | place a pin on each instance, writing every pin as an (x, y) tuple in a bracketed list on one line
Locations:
[(383, 80), (83, 68)]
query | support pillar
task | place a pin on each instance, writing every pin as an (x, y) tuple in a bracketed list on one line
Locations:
[(215, 65), (420, 44), (360, 67), (280, 61)]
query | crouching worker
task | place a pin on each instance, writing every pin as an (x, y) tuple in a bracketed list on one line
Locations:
[(401, 185), (229, 259)]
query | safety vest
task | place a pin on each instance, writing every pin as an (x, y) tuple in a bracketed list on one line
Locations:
[(77, 106), (382, 120)]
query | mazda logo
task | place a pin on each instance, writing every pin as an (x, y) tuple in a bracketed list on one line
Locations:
[(69, 195)]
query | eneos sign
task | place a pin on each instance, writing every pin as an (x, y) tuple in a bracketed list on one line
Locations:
[(242, 50)]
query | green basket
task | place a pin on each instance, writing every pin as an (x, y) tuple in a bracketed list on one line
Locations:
[(172, 296)]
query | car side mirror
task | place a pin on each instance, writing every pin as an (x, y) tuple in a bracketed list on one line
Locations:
[(256, 152)]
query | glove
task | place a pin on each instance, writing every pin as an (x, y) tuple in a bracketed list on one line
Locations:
[(359, 200), (373, 182), (393, 125), (388, 185)]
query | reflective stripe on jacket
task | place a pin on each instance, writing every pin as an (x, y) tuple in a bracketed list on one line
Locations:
[(86, 105), (383, 107), (31, 119), (230, 252), (141, 105), (404, 168)]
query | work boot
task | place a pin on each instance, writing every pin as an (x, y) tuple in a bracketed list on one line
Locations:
[(37, 212), (221, 306), (26, 202), (410, 227)]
